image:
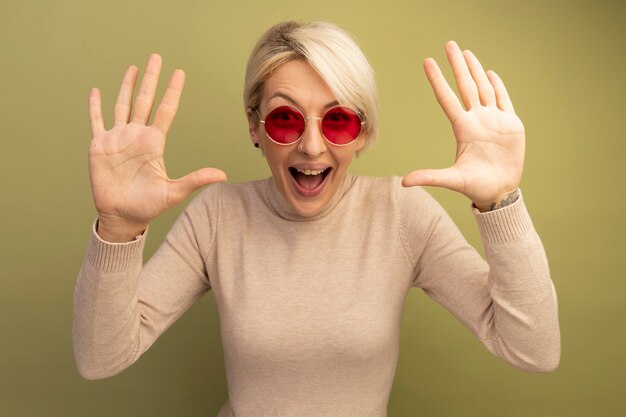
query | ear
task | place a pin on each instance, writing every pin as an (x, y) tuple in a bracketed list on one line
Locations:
[(253, 125)]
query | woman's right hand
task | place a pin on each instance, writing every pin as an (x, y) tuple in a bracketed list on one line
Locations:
[(129, 182)]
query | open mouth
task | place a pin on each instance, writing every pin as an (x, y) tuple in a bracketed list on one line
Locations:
[(309, 181)]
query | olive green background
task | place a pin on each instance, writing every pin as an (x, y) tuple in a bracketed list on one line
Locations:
[(563, 63)]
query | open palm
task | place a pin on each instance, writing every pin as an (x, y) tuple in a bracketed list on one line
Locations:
[(489, 135), (129, 182)]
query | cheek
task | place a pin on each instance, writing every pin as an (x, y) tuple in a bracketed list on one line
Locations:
[(275, 157), (344, 157)]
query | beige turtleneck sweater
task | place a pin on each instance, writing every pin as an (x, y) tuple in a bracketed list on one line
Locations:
[(310, 308)]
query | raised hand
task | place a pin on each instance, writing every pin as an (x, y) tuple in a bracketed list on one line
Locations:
[(129, 183), (489, 135)]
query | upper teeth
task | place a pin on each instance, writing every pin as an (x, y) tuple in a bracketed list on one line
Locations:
[(310, 171)]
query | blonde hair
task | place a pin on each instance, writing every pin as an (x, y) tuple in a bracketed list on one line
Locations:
[(331, 52)]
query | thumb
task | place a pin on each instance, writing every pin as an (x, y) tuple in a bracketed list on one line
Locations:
[(447, 178), (181, 188)]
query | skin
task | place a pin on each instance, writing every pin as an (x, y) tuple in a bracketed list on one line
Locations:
[(130, 185), (489, 136), (296, 84)]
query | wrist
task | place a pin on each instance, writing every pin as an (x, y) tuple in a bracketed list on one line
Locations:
[(503, 200), (119, 232)]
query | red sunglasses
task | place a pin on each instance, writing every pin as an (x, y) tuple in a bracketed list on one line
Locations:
[(285, 125)]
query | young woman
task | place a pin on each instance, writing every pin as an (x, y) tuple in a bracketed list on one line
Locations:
[(310, 267)]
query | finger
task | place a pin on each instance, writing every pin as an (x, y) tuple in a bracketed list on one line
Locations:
[(464, 81), (444, 94), (447, 178), (125, 96), (145, 96), (95, 112), (169, 105), (502, 96), (485, 90), (181, 188)]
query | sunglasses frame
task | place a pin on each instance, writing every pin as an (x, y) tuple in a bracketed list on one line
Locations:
[(314, 118)]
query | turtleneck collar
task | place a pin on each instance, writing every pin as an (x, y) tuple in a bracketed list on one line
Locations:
[(283, 209)]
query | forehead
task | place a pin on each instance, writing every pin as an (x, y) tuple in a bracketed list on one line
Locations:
[(297, 82)]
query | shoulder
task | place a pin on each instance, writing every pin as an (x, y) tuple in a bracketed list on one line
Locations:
[(221, 201), (379, 190), (214, 205), (225, 191), (409, 211), (414, 210)]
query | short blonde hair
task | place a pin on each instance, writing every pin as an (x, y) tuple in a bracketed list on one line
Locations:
[(330, 51)]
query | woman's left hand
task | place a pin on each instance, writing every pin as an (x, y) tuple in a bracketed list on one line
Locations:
[(489, 135)]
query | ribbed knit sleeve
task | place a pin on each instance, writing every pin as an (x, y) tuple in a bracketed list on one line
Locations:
[(504, 225), (113, 257), (525, 329), (508, 300), (121, 306)]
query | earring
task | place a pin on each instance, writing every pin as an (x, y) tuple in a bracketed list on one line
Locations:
[(256, 144)]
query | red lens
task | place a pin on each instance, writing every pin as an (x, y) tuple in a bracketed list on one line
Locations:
[(284, 124), (341, 125)]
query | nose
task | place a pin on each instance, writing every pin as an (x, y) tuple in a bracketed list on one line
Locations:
[(312, 143)]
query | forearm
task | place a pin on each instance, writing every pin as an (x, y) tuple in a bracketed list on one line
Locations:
[(122, 306), (523, 326), (508, 301), (106, 322)]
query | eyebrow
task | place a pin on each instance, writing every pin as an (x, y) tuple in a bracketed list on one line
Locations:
[(293, 101)]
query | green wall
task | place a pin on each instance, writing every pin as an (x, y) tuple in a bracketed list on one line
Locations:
[(563, 63)]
